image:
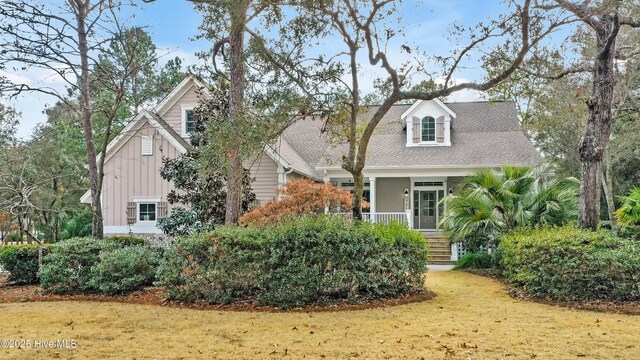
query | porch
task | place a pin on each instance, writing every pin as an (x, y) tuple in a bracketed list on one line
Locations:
[(414, 201)]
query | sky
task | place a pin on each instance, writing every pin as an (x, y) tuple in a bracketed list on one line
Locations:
[(173, 24)]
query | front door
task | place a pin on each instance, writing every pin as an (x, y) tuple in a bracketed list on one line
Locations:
[(425, 204)]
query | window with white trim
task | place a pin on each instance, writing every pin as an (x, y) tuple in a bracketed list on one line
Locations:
[(428, 128), (147, 145), (188, 121), (146, 211)]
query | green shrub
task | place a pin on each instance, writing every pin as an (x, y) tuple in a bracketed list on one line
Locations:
[(572, 264), (221, 267), (67, 269), (295, 263), (128, 240), (124, 270), (475, 260), (21, 261)]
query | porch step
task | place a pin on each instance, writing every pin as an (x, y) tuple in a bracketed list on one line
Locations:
[(439, 249), (441, 262)]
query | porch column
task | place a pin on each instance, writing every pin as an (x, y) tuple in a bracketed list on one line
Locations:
[(372, 195)]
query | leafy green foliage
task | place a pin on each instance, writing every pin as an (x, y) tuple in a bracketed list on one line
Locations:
[(21, 261), (78, 224), (204, 193), (568, 263), (124, 270), (69, 266), (222, 267), (629, 211), (476, 260), (489, 203), (295, 263)]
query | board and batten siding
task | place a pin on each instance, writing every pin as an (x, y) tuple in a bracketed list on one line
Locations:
[(264, 172), (129, 175), (173, 116)]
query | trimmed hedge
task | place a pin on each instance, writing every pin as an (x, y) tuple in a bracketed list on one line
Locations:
[(568, 263), (124, 270), (21, 261), (69, 266), (296, 263)]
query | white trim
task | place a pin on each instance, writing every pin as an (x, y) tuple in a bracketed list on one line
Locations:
[(178, 92), (86, 197), (132, 229), (183, 114), (135, 125), (146, 222), (147, 199), (405, 167), (417, 103)]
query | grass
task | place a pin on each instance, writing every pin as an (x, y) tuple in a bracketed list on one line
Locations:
[(472, 317)]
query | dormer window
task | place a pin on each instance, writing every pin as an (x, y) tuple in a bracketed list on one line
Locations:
[(428, 123), (428, 129), (188, 121)]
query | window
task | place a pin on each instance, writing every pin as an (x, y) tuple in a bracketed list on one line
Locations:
[(428, 183), (147, 212), (428, 129), (147, 145), (189, 123)]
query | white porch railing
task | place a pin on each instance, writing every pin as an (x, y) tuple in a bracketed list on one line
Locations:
[(381, 217), (389, 217)]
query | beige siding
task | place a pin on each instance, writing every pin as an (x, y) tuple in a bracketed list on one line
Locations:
[(390, 194), (452, 182), (264, 172), (173, 116), (128, 174)]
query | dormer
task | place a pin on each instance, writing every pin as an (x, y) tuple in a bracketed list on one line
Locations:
[(428, 123)]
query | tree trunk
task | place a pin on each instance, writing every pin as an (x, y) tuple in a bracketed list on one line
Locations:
[(87, 128), (596, 138), (607, 187), (238, 14), (358, 188)]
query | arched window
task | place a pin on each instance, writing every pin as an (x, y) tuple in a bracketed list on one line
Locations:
[(428, 129)]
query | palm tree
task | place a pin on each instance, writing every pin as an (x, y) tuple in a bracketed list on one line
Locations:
[(488, 203), (629, 212)]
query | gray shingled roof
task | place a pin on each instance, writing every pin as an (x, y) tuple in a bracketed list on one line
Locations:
[(483, 134)]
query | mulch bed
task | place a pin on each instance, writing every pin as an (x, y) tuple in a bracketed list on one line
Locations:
[(155, 296), (616, 307)]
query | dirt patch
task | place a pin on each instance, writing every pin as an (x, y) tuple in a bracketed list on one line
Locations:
[(155, 296), (616, 307)]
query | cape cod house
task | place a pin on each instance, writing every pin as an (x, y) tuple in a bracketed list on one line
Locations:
[(416, 156)]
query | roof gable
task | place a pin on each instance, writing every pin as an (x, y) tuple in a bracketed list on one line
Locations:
[(423, 108), (178, 92)]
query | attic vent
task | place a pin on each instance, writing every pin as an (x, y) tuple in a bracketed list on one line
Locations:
[(147, 145)]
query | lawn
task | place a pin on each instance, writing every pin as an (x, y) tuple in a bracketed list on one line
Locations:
[(472, 317)]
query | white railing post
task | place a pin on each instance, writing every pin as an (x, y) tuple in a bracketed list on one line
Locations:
[(408, 214), (372, 196), (454, 252)]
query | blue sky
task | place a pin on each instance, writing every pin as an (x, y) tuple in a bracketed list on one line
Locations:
[(173, 23)]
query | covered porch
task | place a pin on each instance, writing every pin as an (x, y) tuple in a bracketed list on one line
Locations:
[(414, 201)]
